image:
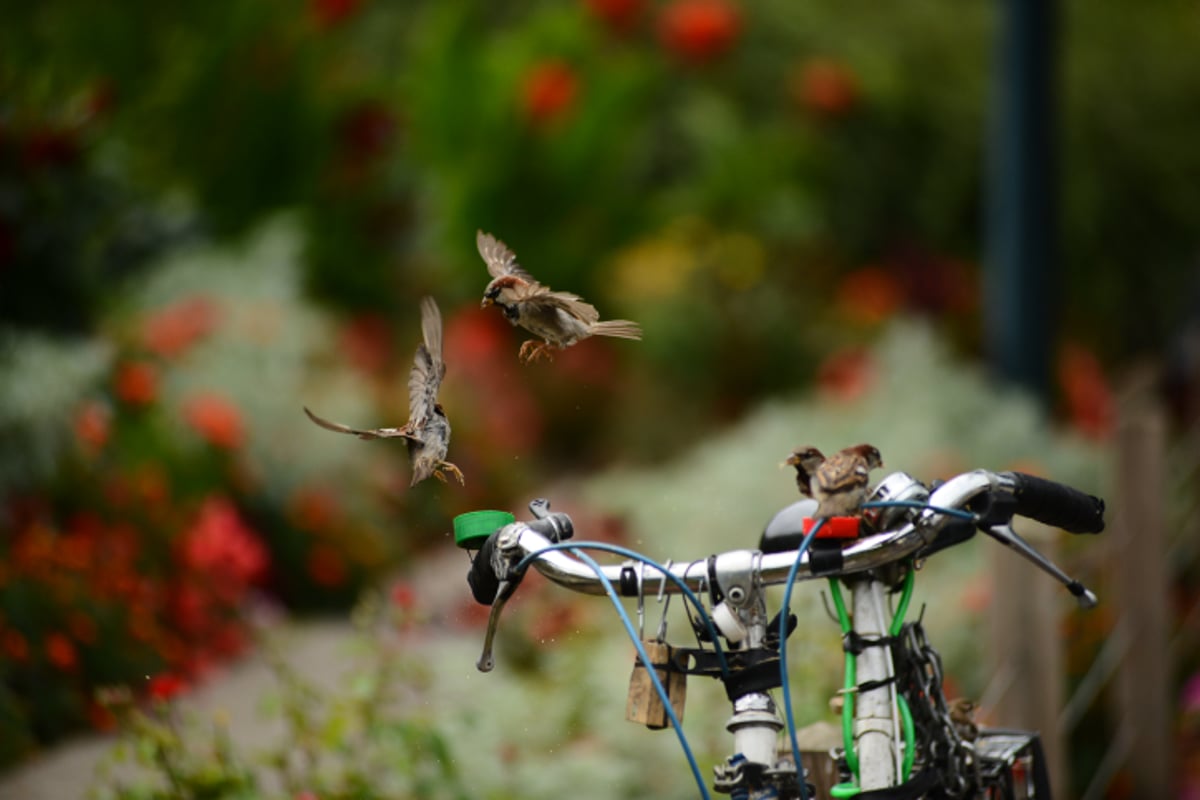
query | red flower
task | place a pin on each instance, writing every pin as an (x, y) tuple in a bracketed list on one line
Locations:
[(404, 597), (60, 652), (165, 687), (825, 87), (174, 329), (216, 419), (92, 425), (220, 543), (1086, 392), (699, 30), (326, 566), (869, 295), (331, 13), (846, 374), (549, 91), (137, 383), (619, 15)]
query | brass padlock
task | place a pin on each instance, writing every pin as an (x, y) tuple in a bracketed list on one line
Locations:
[(643, 703)]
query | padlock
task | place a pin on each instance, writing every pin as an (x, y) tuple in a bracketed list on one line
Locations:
[(643, 703)]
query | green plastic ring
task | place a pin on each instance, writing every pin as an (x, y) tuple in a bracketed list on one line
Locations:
[(473, 528)]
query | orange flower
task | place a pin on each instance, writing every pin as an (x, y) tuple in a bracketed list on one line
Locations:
[(869, 295), (60, 652), (137, 383), (699, 30), (549, 91), (825, 87), (174, 329), (326, 566), (216, 419), (92, 425)]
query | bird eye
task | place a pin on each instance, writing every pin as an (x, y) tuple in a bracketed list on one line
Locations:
[(493, 293)]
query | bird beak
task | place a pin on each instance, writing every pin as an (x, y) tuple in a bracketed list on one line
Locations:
[(787, 463), (485, 302)]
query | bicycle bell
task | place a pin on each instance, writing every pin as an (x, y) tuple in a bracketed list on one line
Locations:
[(899, 486)]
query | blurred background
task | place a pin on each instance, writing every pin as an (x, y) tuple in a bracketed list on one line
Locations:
[(965, 232)]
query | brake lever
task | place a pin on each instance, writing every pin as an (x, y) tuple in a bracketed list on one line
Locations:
[(1006, 536), (506, 543)]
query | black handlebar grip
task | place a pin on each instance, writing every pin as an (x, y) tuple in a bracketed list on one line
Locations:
[(1056, 504), (482, 577)]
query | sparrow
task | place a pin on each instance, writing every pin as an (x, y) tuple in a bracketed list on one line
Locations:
[(806, 460), (561, 319), (962, 716), (427, 431), (840, 482)]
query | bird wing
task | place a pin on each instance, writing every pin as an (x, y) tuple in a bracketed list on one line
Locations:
[(428, 368), (842, 471), (540, 297), (499, 259), (373, 433)]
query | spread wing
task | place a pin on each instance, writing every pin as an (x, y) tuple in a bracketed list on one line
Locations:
[(842, 471), (499, 259), (374, 433), (425, 378), (539, 297)]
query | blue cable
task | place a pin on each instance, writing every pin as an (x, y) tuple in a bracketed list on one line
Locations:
[(687, 592), (951, 512), (783, 670), (653, 673)]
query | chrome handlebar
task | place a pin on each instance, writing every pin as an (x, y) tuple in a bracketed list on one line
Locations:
[(518, 541)]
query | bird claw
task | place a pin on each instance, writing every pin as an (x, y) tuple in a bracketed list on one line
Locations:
[(531, 351), (453, 470)]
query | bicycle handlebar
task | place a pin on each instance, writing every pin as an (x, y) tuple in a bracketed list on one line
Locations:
[(1056, 504), (1038, 498)]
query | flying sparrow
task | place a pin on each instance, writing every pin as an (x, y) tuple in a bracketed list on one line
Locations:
[(561, 319), (840, 482), (805, 460), (427, 430)]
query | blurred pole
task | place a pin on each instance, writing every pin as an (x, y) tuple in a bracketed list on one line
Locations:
[(1019, 295), (1021, 224)]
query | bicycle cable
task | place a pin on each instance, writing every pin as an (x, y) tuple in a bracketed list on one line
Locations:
[(711, 628), (650, 670), (783, 670)]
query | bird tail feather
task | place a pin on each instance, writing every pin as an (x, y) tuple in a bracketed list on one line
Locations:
[(618, 328)]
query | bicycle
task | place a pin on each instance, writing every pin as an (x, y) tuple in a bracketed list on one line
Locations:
[(900, 739)]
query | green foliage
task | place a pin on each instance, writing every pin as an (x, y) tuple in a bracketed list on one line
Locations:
[(350, 743)]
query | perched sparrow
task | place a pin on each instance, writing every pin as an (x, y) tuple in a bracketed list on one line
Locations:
[(962, 715), (427, 430), (840, 482), (561, 319), (805, 460)]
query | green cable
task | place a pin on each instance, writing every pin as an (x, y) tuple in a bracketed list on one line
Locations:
[(906, 720), (851, 679)]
